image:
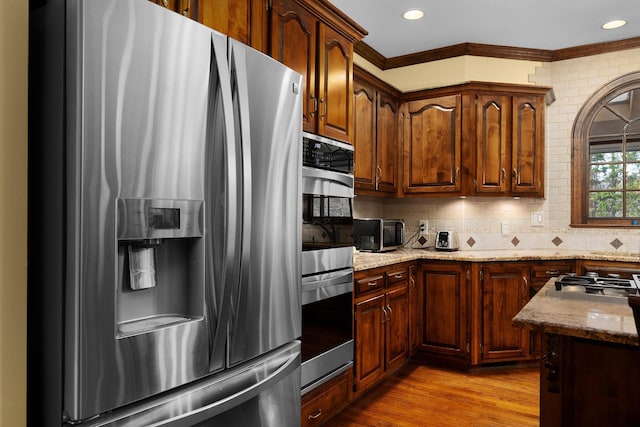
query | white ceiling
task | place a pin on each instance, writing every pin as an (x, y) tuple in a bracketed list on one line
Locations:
[(536, 24)]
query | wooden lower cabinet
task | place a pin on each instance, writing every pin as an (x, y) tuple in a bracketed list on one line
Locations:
[(589, 383), (381, 324), (443, 311), (322, 403), (505, 291), (540, 273), (415, 296), (603, 268), (465, 311)]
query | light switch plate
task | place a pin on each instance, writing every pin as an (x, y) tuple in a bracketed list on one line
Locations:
[(505, 230)]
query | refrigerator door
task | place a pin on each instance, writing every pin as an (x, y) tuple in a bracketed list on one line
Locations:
[(266, 309), (138, 107), (264, 392)]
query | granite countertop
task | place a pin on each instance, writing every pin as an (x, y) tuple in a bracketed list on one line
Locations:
[(367, 260), (596, 320)]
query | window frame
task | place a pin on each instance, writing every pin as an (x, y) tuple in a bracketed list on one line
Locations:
[(580, 152)]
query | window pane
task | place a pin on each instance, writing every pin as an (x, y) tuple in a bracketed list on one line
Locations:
[(606, 176), (633, 176), (609, 152), (633, 204), (605, 205), (606, 123), (633, 150)]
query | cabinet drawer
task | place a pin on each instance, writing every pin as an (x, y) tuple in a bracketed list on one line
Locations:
[(321, 404), (369, 284), (544, 272), (395, 277)]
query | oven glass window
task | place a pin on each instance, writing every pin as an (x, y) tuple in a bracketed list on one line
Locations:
[(326, 324), (327, 222)]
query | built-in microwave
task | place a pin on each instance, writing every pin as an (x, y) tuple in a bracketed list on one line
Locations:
[(378, 234)]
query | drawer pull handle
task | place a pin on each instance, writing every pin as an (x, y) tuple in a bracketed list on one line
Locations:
[(315, 414), (398, 276), (372, 284), (552, 272)]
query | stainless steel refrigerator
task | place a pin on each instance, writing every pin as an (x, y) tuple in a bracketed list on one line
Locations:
[(164, 222)]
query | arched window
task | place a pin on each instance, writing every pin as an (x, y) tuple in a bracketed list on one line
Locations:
[(606, 156)]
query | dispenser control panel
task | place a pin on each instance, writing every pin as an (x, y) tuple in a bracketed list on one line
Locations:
[(159, 218)]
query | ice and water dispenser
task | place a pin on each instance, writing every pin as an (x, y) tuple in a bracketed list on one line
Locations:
[(160, 264)]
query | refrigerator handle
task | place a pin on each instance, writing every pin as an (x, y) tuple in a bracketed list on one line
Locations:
[(231, 246), (229, 402), (239, 85)]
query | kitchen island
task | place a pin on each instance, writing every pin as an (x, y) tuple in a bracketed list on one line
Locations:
[(590, 366)]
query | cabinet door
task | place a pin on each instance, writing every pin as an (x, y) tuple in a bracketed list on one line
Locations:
[(230, 17), (396, 328), (364, 137), (432, 135), (369, 338), (505, 290), (414, 310), (293, 42), (387, 137), (444, 306), (492, 142), (183, 7), (335, 80), (528, 145)]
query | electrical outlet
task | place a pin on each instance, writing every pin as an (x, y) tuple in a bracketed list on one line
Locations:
[(423, 227), (537, 219)]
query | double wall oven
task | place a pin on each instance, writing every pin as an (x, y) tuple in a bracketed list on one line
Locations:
[(327, 259)]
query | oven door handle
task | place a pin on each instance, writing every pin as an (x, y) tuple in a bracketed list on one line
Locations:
[(327, 285), (326, 183)]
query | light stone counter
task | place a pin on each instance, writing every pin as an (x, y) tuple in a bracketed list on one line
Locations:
[(367, 260), (595, 320)]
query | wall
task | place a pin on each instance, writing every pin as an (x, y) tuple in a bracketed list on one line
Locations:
[(13, 214), (453, 71), (478, 221)]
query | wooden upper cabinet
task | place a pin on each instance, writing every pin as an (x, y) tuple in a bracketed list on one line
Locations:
[(243, 20), (387, 138), (293, 42), (501, 129), (492, 142), (316, 40), (528, 145), (183, 7), (364, 136), (375, 135), (432, 144)]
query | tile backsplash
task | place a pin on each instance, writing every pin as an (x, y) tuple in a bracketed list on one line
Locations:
[(496, 223)]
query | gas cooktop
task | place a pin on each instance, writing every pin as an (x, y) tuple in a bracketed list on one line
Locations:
[(591, 286)]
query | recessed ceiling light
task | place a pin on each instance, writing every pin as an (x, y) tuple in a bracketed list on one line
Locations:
[(613, 24), (413, 14)]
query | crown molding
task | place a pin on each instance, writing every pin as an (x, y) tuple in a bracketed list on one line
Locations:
[(493, 51)]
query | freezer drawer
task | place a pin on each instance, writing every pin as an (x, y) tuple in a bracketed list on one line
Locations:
[(243, 396)]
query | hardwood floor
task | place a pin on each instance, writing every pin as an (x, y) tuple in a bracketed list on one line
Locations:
[(420, 395)]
